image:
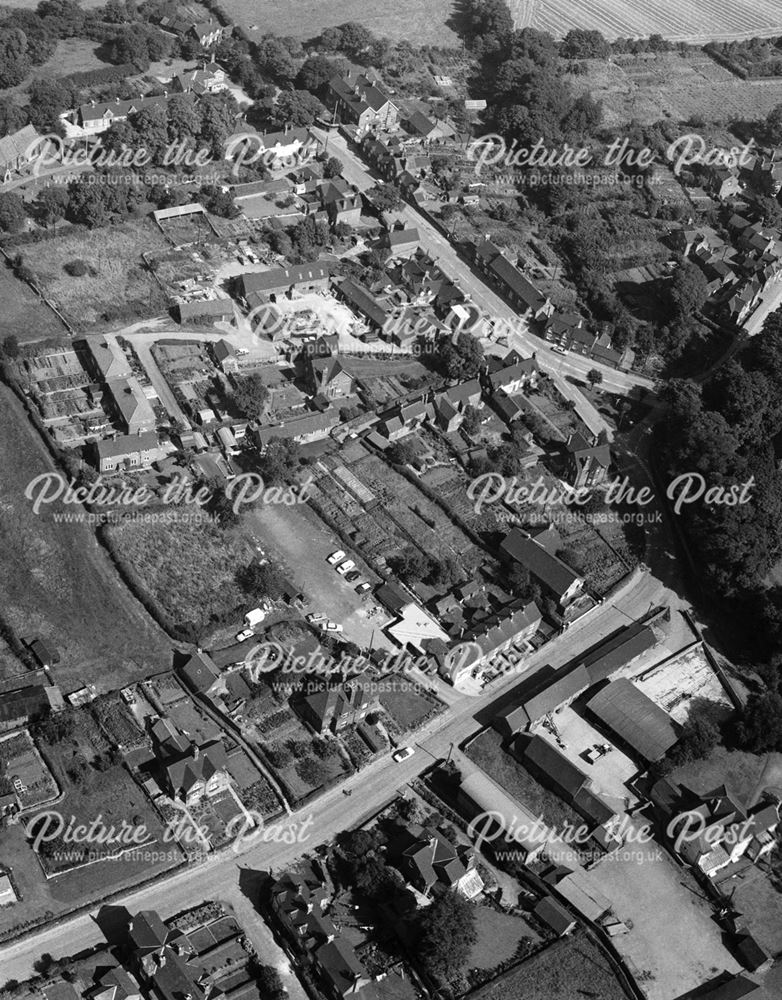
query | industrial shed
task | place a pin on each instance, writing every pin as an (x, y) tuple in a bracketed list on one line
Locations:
[(635, 719)]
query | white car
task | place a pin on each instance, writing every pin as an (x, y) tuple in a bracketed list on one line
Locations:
[(335, 557), (346, 567), (331, 627), (316, 616), (559, 350), (403, 754), (362, 588), (246, 633)]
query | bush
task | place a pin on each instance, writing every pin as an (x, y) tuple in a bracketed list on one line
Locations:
[(76, 268)]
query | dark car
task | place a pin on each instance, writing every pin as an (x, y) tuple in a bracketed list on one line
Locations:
[(352, 576)]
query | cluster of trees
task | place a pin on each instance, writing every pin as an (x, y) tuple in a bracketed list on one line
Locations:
[(456, 359), (249, 395), (300, 243), (723, 431), (412, 565)]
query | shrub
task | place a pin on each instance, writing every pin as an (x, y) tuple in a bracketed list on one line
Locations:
[(76, 268)]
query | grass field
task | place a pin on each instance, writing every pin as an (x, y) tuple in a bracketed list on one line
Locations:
[(682, 20), (568, 969), (117, 288), (187, 568), (422, 24), (670, 85), (57, 582), (24, 315)]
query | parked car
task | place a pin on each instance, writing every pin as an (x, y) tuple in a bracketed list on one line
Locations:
[(316, 616), (346, 567), (403, 754), (246, 633), (559, 350), (335, 557), (331, 627), (352, 576), (362, 588)]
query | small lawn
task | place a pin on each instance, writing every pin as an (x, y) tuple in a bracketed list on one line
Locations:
[(409, 705), (499, 938), (570, 968)]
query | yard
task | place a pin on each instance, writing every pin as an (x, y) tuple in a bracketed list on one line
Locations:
[(574, 967), (58, 582), (424, 25), (116, 289)]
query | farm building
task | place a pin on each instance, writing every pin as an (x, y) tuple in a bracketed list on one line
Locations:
[(507, 822), (549, 696), (635, 719)]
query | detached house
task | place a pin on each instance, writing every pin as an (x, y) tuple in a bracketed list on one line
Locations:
[(360, 99), (587, 464), (337, 706), (16, 152), (431, 860), (330, 378), (199, 773)]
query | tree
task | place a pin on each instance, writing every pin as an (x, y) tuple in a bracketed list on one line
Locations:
[(311, 771), (594, 377), (51, 205), (12, 213), (297, 108), (86, 203), (471, 422), (12, 117), (280, 461), (14, 61), (218, 202), (250, 395), (183, 118), (446, 933), (461, 358), (386, 197), (315, 73), (354, 40), (774, 125), (11, 346), (332, 167), (580, 43), (688, 290), (700, 735), (410, 564), (270, 982), (759, 729), (64, 18), (402, 453)]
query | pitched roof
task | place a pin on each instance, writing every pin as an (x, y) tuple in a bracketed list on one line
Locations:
[(200, 671), (551, 696), (364, 301), (14, 146), (197, 765), (547, 568), (279, 278), (554, 765), (619, 650), (554, 915), (28, 702), (126, 444), (635, 718)]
